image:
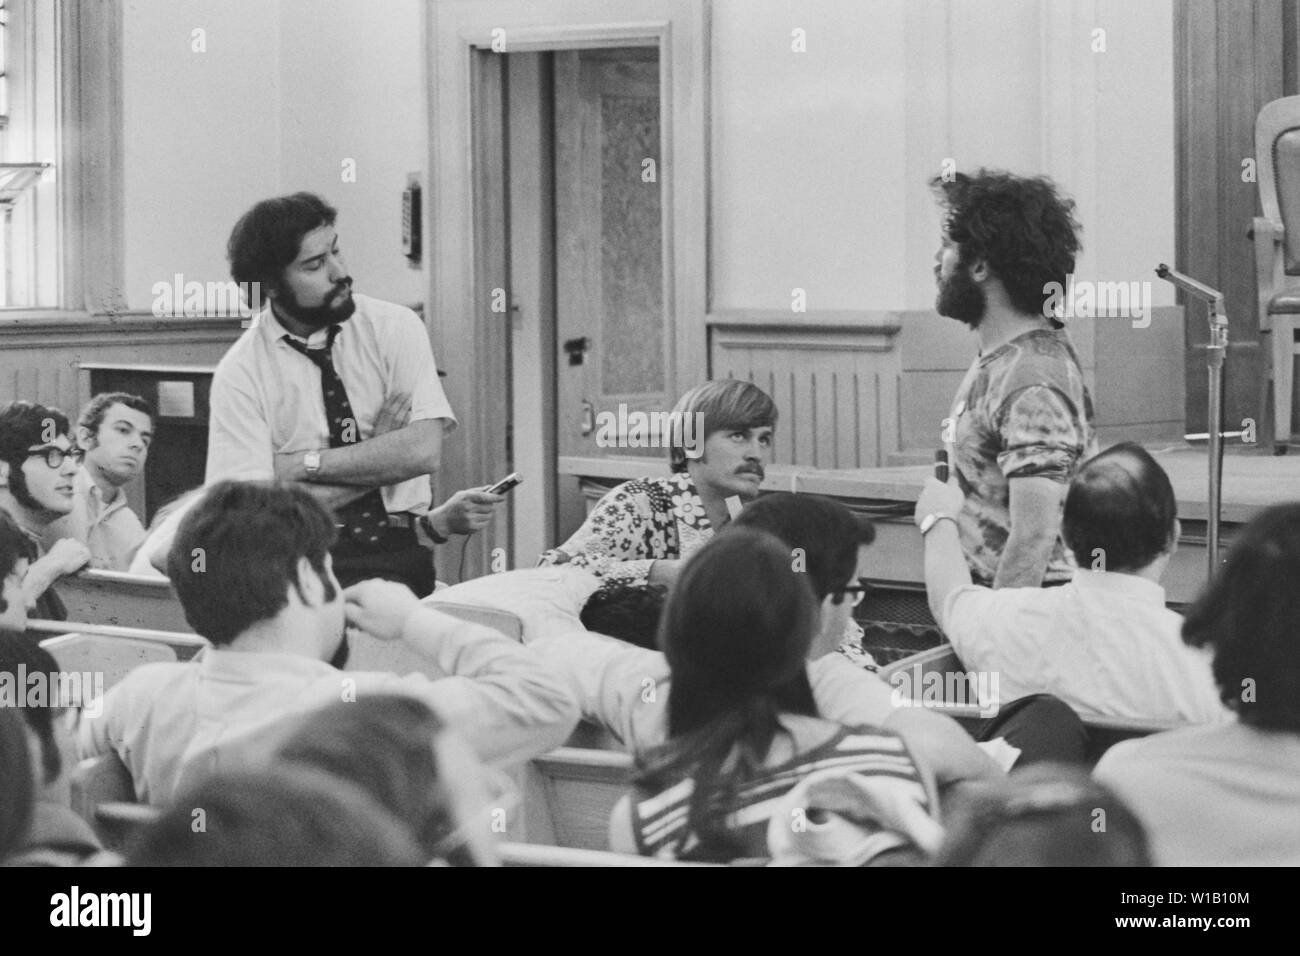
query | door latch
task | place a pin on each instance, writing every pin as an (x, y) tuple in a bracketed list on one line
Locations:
[(577, 349)]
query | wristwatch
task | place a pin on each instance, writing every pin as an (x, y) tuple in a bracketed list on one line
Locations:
[(311, 463), (930, 520)]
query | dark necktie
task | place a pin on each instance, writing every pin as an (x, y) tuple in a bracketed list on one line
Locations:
[(364, 520)]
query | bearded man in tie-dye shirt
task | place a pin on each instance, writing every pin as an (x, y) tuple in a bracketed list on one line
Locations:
[(1022, 420)]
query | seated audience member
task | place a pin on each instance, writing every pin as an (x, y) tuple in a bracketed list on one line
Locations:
[(626, 690), (1229, 794), (16, 553), (1046, 815), (743, 725), (1105, 643), (17, 782), (640, 531), (57, 836), (37, 465), (400, 753), (251, 566), (115, 430), (293, 816)]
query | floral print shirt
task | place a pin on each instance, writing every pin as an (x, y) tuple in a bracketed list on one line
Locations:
[(637, 523), (653, 519)]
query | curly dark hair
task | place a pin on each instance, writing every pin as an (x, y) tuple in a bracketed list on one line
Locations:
[(266, 240), (1250, 615), (1020, 225)]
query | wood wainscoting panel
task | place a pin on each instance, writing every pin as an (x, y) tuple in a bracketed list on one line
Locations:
[(836, 386)]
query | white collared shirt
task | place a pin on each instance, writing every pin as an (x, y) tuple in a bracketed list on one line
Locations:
[(266, 396), (172, 724), (1105, 644), (111, 531), (625, 689)]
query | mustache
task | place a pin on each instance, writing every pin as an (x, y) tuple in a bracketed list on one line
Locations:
[(751, 469)]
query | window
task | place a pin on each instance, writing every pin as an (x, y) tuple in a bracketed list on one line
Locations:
[(29, 149)]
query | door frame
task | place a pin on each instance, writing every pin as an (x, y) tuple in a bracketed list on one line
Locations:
[(469, 338)]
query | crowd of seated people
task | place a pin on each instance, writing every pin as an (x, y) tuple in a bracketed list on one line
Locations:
[(751, 739)]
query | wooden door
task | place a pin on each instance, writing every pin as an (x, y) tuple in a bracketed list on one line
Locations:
[(1230, 58), (612, 337)]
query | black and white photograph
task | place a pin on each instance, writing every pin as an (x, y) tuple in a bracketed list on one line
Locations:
[(686, 434)]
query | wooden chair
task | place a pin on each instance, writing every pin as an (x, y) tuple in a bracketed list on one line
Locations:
[(183, 646), (1276, 236), (570, 793), (123, 600)]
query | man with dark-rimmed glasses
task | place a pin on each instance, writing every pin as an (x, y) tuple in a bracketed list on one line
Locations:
[(37, 463)]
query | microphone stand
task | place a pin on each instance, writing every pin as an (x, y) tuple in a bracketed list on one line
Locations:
[(1215, 350)]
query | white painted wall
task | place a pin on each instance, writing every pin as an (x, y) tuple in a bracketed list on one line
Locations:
[(285, 92), (808, 154), (821, 159), (352, 86), (202, 133)]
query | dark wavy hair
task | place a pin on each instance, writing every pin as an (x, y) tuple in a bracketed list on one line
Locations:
[(828, 534), (293, 816), (1043, 815), (385, 745), (1020, 225), (1121, 503), (92, 416), (628, 612), (736, 632), (266, 239), (14, 547), (1249, 614), (25, 425), (236, 554)]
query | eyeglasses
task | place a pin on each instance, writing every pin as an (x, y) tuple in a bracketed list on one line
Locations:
[(857, 592), (54, 455)]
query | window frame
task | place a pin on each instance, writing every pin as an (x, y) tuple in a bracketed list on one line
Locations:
[(88, 168)]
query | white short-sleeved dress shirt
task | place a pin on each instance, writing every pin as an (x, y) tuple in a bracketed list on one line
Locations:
[(1105, 644), (266, 396)]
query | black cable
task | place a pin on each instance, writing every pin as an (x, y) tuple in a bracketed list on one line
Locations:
[(464, 547)]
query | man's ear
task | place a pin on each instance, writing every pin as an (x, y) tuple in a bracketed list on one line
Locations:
[(1178, 533), (4, 474), (979, 270), (85, 438), (310, 586)]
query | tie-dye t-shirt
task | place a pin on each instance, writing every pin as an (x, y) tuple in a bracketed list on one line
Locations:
[(1022, 411)]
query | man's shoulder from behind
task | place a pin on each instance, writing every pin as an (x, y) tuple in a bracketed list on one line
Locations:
[(1151, 756), (155, 676)]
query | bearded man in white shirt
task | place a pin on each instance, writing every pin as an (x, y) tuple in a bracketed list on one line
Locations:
[(337, 391)]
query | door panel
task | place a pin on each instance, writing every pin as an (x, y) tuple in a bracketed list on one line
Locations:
[(609, 243)]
